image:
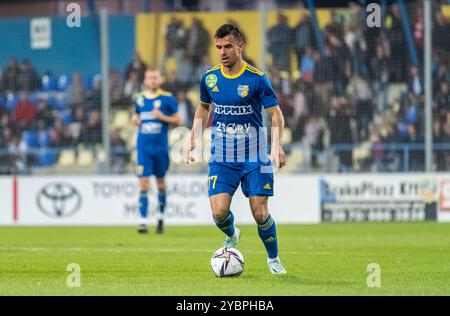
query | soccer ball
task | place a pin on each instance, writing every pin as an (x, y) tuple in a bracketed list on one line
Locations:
[(227, 262)]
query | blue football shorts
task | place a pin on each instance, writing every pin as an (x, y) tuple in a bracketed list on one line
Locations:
[(256, 178)]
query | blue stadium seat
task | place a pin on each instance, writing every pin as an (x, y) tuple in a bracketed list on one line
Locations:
[(44, 139), (47, 158), (96, 78), (64, 82), (2, 100), (62, 102), (88, 82), (31, 139), (49, 83), (66, 117), (34, 98), (11, 101), (52, 103), (411, 115)]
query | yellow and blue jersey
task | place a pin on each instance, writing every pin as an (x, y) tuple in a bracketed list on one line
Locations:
[(153, 133), (237, 131)]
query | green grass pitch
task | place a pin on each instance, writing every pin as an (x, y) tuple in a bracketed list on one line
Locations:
[(325, 259)]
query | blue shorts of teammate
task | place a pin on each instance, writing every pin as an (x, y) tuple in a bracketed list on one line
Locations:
[(152, 163), (224, 177)]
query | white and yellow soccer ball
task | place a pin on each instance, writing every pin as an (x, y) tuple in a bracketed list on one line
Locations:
[(227, 262)]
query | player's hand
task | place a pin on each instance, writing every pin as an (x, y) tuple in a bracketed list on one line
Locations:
[(278, 157), (157, 114), (189, 150), (135, 119)]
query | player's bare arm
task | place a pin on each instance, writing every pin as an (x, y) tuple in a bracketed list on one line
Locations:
[(200, 120), (277, 154), (135, 119), (174, 119)]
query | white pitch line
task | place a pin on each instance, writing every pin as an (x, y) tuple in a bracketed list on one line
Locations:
[(118, 250)]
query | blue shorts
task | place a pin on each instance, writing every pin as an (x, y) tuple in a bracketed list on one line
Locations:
[(152, 163), (256, 179)]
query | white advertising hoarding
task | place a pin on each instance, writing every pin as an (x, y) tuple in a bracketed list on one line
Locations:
[(6, 200), (379, 197), (444, 198), (113, 200)]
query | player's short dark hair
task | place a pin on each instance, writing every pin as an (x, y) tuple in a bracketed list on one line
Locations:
[(227, 29)]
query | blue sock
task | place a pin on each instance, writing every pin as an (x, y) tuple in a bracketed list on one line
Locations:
[(227, 224), (143, 204), (162, 201), (268, 233)]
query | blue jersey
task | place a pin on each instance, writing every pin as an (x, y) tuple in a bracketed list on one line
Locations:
[(152, 134), (238, 101)]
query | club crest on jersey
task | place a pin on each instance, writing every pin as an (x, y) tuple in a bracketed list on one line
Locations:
[(140, 101), (211, 80), (157, 104), (242, 91)]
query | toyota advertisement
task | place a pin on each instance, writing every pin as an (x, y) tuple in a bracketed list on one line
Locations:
[(113, 200)]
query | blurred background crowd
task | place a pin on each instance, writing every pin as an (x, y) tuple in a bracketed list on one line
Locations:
[(352, 95)]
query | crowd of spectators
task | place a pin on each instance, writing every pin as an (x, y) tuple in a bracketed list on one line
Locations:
[(332, 97), (331, 88)]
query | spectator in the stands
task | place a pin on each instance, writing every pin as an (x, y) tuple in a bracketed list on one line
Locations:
[(279, 38), (175, 39), (28, 77), (379, 66), (398, 44), (44, 115), (24, 114), (339, 123), (76, 92), (60, 135), (364, 105), (119, 156), (185, 108), (17, 149), (303, 37), (442, 99), (136, 65), (132, 86), (299, 110), (442, 74), (378, 157), (416, 157), (79, 120), (314, 134), (392, 156), (441, 31), (94, 101), (323, 81), (116, 89), (185, 71), (440, 138), (307, 64), (11, 76), (172, 83), (198, 41), (415, 83), (91, 133), (419, 30)]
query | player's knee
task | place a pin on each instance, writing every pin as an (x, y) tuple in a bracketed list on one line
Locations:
[(220, 213), (161, 185), (144, 185), (260, 215)]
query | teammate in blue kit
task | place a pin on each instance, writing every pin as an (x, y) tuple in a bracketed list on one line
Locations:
[(239, 93), (155, 110)]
